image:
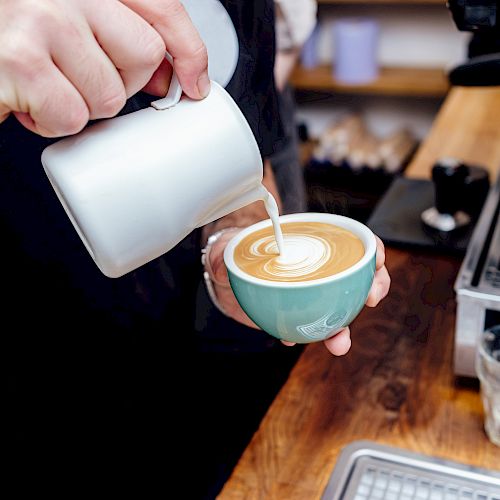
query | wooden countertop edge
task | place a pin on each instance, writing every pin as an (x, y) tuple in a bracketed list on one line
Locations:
[(467, 127)]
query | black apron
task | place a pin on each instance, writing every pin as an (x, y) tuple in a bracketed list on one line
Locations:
[(105, 372)]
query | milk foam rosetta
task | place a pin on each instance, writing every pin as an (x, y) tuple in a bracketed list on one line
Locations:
[(313, 250)]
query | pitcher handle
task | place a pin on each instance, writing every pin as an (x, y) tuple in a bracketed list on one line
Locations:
[(174, 90)]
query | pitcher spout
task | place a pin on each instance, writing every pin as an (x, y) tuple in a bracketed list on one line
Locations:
[(246, 198)]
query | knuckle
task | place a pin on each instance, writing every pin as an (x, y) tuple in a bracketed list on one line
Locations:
[(193, 64), (46, 16), (173, 8), (200, 54), (71, 114), (153, 49), (26, 67), (112, 103), (75, 118), (33, 12), (42, 11), (75, 122)]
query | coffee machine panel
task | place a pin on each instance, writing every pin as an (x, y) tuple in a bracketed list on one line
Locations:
[(482, 19), (478, 285)]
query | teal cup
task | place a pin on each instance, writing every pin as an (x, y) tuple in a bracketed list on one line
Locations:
[(306, 311)]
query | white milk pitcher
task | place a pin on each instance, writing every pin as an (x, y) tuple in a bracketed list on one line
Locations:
[(134, 186)]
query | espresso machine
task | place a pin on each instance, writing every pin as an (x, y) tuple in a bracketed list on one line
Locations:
[(482, 18), (478, 283)]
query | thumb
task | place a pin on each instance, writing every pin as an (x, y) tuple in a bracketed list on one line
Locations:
[(182, 40)]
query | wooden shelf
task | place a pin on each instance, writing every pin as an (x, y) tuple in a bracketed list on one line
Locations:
[(382, 2), (400, 81)]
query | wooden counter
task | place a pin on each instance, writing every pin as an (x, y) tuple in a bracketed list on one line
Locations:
[(396, 385), (467, 127)]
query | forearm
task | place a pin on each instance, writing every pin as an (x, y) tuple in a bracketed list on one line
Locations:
[(248, 215), (283, 67)]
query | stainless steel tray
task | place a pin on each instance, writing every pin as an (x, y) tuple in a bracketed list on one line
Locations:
[(369, 471), (478, 285)]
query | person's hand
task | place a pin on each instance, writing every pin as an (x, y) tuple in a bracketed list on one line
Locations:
[(63, 62), (341, 342), (338, 344), (284, 63), (217, 271)]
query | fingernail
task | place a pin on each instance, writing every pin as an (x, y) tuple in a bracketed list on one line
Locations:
[(203, 85)]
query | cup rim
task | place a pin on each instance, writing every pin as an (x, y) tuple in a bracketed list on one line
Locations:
[(363, 232)]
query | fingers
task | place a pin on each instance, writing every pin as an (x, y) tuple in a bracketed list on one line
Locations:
[(31, 85), (160, 81), (43, 115), (62, 63), (382, 280), (215, 258), (380, 287), (380, 259), (182, 40), (91, 72), (340, 343), (130, 43)]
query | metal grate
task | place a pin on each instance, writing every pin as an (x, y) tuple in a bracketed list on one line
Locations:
[(367, 471), (401, 483)]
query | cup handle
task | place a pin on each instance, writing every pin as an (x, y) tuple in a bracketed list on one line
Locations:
[(174, 91)]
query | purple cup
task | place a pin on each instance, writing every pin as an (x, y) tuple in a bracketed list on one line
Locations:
[(356, 46), (309, 57)]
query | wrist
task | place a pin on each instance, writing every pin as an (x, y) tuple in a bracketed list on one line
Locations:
[(214, 273)]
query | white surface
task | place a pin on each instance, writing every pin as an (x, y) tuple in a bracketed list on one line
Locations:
[(174, 92), (136, 185), (217, 32)]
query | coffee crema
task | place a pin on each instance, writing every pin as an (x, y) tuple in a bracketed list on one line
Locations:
[(313, 250)]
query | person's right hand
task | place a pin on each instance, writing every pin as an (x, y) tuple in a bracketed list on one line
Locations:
[(63, 62)]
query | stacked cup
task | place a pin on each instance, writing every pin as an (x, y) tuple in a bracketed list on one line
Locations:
[(488, 371)]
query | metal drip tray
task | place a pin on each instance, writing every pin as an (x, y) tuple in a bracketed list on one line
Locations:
[(478, 285), (368, 471)]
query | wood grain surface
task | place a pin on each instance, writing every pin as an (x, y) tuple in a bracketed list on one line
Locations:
[(466, 127), (395, 387), (402, 81)]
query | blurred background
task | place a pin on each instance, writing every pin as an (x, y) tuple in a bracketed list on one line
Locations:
[(368, 115)]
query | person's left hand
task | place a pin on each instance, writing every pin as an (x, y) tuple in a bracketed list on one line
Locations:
[(338, 344)]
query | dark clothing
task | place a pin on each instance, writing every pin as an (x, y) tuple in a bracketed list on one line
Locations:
[(285, 162), (252, 85), (107, 373)]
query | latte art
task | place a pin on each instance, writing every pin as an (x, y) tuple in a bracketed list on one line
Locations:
[(312, 250)]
